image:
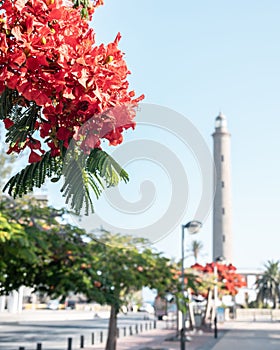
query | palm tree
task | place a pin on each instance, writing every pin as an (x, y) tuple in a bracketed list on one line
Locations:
[(195, 249), (269, 284)]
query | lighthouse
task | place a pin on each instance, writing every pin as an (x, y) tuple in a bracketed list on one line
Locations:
[(222, 211)]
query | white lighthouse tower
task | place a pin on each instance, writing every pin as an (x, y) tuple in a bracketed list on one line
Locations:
[(222, 213)]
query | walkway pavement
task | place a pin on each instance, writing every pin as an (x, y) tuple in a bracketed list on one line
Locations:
[(250, 336), (147, 338), (231, 336), (162, 339)]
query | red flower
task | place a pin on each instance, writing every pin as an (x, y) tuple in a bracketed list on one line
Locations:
[(34, 144), (8, 123), (63, 133), (226, 274), (48, 54), (34, 157), (45, 129), (115, 137)]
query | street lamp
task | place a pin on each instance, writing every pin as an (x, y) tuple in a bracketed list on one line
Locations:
[(193, 227)]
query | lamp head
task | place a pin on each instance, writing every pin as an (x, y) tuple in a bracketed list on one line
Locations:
[(193, 226)]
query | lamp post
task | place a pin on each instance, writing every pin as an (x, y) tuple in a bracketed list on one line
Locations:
[(193, 227)]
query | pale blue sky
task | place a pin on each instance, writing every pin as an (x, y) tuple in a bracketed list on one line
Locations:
[(202, 57), (198, 58)]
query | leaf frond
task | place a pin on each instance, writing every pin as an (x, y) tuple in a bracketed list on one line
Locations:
[(33, 175)]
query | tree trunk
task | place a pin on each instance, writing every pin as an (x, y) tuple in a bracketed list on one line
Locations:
[(112, 333), (208, 307), (190, 307), (191, 317)]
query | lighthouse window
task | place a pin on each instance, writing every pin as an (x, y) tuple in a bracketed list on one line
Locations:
[(222, 157), (223, 211)]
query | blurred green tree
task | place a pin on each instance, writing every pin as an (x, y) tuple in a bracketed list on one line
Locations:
[(268, 285)]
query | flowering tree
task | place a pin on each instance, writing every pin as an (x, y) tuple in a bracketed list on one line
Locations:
[(225, 278), (57, 86), (125, 264), (38, 249), (229, 281)]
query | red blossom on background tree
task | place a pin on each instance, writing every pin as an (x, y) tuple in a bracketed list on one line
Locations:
[(227, 280), (54, 80), (230, 281)]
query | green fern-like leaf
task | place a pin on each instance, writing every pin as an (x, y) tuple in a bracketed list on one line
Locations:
[(34, 175), (83, 174), (22, 112), (103, 167), (76, 183)]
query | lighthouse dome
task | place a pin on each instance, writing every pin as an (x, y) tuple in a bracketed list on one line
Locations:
[(221, 121)]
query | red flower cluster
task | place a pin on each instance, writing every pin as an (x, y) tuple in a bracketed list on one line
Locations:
[(48, 54), (226, 274)]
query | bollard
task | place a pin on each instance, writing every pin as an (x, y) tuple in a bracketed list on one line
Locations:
[(69, 347), (101, 337), (130, 330), (136, 329), (150, 325), (82, 342), (118, 332), (155, 324), (92, 338), (215, 328), (146, 326), (141, 328), (39, 346), (182, 339), (124, 332)]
